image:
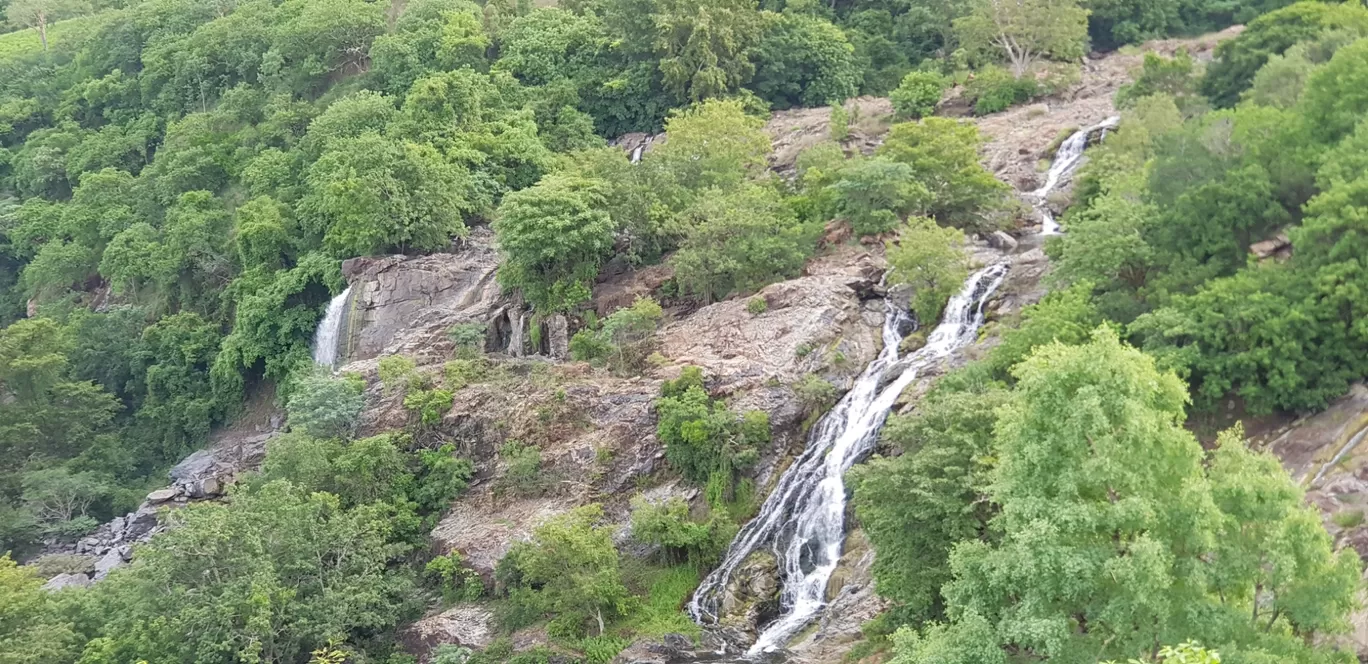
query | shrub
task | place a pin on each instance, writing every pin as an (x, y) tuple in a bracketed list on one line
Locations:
[(398, 373), (462, 372), (456, 582), (469, 339), (430, 405), (839, 123), (625, 339), (815, 393), (522, 474), (994, 89), (918, 94), (757, 305), (704, 440), (1348, 518), (442, 477), (325, 406), (668, 525)]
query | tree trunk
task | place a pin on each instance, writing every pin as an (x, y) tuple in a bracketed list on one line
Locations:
[(42, 30), (598, 613)]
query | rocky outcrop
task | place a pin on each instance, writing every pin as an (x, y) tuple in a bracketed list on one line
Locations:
[(406, 304), (467, 625)]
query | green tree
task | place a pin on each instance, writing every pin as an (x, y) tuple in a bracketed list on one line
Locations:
[(804, 61), (1335, 99), (943, 154), (38, 14), (325, 406), (371, 194), (553, 237), (703, 45), (874, 194), (917, 95), (32, 630), (931, 260), (573, 567), (739, 241), (1022, 31)]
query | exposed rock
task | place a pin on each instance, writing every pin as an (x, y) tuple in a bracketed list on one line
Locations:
[(67, 581), (115, 557), (404, 304), (751, 598), (467, 625), (669, 648), (852, 603), (558, 337), (161, 495), (1001, 241), (1278, 247)]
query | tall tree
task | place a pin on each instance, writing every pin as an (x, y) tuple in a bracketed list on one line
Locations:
[(1022, 31), (37, 14), (703, 45)]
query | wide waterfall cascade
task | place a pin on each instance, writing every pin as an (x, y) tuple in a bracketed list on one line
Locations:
[(803, 519), (329, 332), (1067, 160)]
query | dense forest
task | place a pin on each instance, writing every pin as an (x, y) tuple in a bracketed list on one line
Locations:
[(180, 181)]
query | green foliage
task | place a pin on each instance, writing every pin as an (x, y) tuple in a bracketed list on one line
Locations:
[(838, 122), (874, 194), (1239, 59), (930, 259), (32, 627), (430, 405), (461, 372), (669, 525), (704, 44), (1335, 100), (624, 339), (815, 393), (326, 406), (917, 95), (469, 339), (756, 306), (553, 237), (1022, 32), (739, 241), (456, 582), (281, 555), (1159, 75), (803, 60), (522, 470), (995, 89), (398, 373), (571, 570), (943, 155), (705, 441), (1104, 506)]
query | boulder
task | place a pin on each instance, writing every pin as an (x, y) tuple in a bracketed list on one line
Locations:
[(1001, 241), (466, 625), (558, 337), (116, 557), (161, 496), (67, 581)]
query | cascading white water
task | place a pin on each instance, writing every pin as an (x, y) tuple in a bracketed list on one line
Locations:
[(515, 337), (1067, 160), (327, 335), (803, 520)]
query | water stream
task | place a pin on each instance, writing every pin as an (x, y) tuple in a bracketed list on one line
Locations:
[(1067, 160), (328, 334), (803, 520)]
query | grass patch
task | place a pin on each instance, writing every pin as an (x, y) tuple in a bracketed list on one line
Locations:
[(661, 610), (1349, 518)]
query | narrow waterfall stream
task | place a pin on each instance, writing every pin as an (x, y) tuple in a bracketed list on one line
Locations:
[(803, 520), (329, 332), (1067, 160)]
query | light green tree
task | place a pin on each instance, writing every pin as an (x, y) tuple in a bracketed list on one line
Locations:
[(554, 236), (1022, 31), (944, 156), (574, 567), (932, 260), (703, 45)]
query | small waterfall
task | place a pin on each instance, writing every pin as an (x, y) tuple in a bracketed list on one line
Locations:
[(803, 520), (328, 335), (1067, 160)]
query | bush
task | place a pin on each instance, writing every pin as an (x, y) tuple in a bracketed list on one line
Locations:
[(625, 339), (430, 405), (757, 305), (456, 582), (324, 406), (838, 125), (704, 440), (53, 564), (522, 470), (668, 525), (994, 89), (398, 373), (459, 373), (469, 339), (815, 393), (918, 94)]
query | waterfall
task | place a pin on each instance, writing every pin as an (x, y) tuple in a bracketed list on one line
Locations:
[(1067, 160), (803, 519), (515, 337), (327, 336)]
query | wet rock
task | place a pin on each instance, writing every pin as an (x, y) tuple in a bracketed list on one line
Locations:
[(67, 581), (1279, 246), (752, 596), (558, 337)]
